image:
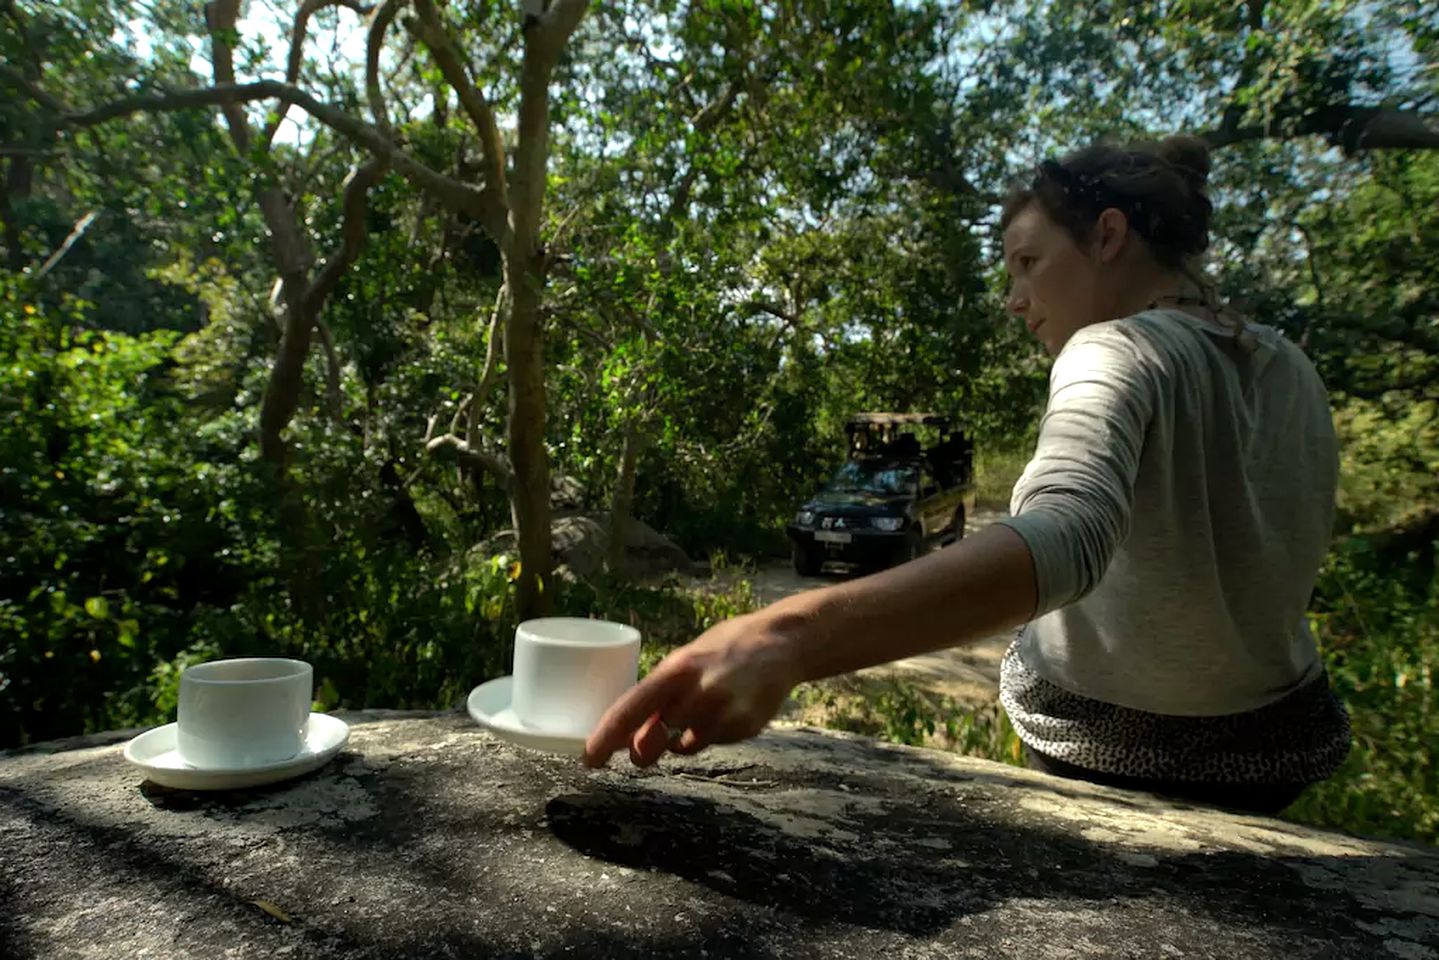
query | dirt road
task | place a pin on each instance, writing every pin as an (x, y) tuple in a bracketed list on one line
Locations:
[(969, 674)]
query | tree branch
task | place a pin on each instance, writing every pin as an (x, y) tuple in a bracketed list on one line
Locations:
[(703, 122), (332, 371), (297, 52), (715, 111), (23, 83), (374, 42), (436, 38), (1353, 128), (76, 233), (452, 447), (452, 193), (556, 26), (220, 18), (773, 309), (487, 376), (461, 408), (352, 231)]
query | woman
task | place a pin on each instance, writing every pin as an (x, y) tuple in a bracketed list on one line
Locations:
[(1163, 543)]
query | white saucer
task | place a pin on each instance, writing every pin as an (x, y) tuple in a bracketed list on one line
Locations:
[(489, 704), (154, 753)]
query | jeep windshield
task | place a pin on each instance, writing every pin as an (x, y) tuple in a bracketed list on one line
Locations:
[(885, 479)]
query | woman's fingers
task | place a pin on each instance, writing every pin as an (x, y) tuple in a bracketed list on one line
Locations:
[(693, 720), (688, 744), (622, 722), (649, 742)]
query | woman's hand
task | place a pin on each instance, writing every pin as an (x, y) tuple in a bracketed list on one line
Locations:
[(721, 688), (729, 683)]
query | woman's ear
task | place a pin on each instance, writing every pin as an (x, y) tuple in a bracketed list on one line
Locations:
[(1110, 232)]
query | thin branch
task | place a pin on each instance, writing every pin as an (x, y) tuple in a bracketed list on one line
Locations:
[(436, 38), (355, 203), (76, 233), (452, 193), (771, 308), (297, 52), (715, 111), (332, 371), (552, 250), (374, 42), (639, 45), (461, 409), (487, 376), (1309, 256), (703, 122)]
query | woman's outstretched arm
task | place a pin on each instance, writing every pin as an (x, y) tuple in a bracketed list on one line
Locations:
[(728, 684)]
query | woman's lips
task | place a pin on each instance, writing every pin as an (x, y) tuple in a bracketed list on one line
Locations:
[(1034, 324)]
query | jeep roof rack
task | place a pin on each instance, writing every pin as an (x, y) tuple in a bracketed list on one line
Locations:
[(897, 419)]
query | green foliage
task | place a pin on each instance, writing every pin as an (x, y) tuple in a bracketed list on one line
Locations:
[(901, 712), (1389, 475), (1378, 626), (997, 467), (103, 529)]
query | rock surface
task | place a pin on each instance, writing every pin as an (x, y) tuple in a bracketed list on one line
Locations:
[(647, 551), (579, 543), (428, 838)]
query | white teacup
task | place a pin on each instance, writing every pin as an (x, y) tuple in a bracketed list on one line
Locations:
[(568, 671), (242, 713)]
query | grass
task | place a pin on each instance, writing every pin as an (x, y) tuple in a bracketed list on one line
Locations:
[(996, 468), (904, 712), (1379, 632)]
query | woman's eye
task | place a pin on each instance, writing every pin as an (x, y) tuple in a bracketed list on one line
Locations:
[(1026, 262)]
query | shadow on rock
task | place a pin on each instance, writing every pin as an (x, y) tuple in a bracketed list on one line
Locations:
[(917, 869)]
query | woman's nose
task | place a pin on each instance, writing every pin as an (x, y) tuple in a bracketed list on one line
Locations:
[(1018, 302)]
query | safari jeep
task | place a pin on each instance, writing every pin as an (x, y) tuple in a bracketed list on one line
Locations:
[(892, 499)]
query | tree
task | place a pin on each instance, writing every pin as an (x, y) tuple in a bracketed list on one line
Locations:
[(509, 205)]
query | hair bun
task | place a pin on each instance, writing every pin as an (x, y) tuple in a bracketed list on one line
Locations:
[(1189, 156)]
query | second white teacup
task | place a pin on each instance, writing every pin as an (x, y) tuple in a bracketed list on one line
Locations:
[(567, 672), (243, 713)]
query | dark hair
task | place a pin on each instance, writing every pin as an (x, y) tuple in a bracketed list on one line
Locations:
[(1159, 187)]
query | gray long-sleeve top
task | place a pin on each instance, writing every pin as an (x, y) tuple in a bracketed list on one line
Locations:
[(1178, 506)]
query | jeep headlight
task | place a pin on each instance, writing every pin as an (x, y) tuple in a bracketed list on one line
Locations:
[(888, 524), (804, 518)]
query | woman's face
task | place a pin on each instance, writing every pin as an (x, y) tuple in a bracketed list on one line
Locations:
[(1056, 286)]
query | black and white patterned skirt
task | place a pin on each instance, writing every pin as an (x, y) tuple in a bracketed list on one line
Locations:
[(1300, 738)]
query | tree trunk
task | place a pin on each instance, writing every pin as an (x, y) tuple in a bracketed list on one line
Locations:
[(622, 503), (292, 258), (524, 262), (530, 495)]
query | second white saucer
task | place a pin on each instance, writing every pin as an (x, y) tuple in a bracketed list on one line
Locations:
[(489, 704), (154, 753)]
